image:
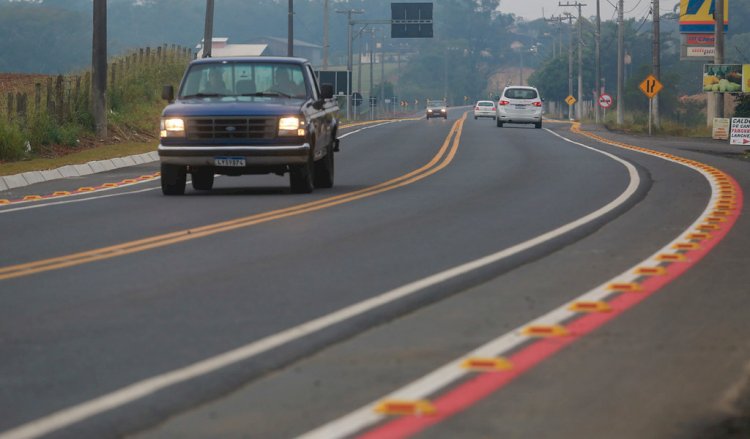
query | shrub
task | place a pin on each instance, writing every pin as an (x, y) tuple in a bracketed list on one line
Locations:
[(11, 142)]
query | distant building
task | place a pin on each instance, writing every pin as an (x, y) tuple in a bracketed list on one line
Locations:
[(302, 49), (221, 47)]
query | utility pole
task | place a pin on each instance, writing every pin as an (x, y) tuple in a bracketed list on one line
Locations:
[(290, 30), (348, 13), (597, 80), (570, 59), (208, 29), (325, 35), (372, 60), (99, 67), (719, 55), (382, 72), (620, 62), (579, 104), (558, 20), (656, 54)]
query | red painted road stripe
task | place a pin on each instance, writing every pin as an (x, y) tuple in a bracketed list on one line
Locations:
[(475, 389)]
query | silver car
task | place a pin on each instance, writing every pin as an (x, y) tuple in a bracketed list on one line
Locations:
[(436, 108), (484, 109), (519, 104)]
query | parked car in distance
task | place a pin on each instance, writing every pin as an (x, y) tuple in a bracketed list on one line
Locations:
[(248, 115), (520, 104), (485, 109), (436, 108)]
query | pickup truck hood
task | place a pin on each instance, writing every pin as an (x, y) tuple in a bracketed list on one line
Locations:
[(233, 107)]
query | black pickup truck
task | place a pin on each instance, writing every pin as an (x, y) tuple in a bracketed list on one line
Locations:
[(252, 115)]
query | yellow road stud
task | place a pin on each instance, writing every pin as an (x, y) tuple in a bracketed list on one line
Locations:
[(487, 364), (651, 271), (584, 306), (405, 408), (545, 331)]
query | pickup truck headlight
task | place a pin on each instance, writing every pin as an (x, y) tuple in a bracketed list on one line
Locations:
[(291, 126), (172, 127)]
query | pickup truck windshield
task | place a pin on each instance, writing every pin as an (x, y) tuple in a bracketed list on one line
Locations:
[(255, 79)]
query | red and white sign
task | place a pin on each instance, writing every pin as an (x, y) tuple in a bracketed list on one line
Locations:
[(700, 39), (740, 134), (605, 101), (700, 52)]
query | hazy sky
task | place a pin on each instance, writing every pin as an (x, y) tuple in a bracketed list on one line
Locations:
[(532, 9)]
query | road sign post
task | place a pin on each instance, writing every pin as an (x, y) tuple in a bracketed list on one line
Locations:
[(570, 100), (605, 101), (650, 87)]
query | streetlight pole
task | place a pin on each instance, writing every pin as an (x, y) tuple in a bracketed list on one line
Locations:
[(656, 54), (349, 13), (208, 29), (719, 55), (325, 35), (290, 30), (579, 104), (597, 80), (99, 67), (620, 62)]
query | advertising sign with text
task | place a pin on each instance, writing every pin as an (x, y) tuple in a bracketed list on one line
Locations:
[(697, 16)]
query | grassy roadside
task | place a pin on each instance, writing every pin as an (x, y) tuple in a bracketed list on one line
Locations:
[(102, 152)]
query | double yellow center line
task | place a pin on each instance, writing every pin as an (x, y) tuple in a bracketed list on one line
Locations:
[(441, 159)]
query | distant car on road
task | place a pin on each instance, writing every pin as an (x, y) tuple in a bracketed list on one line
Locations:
[(485, 109), (436, 109), (519, 104)]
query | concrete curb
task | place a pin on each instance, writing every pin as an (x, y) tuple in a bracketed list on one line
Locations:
[(28, 178)]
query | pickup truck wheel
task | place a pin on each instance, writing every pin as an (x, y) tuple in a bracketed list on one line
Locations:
[(173, 179), (301, 177), (203, 179), (324, 169)]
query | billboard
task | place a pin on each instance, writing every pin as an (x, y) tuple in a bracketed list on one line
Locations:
[(723, 78), (697, 16)]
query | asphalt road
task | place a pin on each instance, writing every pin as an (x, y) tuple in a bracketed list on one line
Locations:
[(248, 311)]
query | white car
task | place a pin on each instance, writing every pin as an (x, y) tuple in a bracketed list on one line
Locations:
[(519, 104), (484, 109)]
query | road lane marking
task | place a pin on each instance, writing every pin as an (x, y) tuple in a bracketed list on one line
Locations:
[(28, 199), (434, 165), (575, 322), (146, 387)]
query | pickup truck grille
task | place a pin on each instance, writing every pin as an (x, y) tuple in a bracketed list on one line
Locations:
[(231, 128)]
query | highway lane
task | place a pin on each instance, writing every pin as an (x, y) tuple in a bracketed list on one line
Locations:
[(99, 326)]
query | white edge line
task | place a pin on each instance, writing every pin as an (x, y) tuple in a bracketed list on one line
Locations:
[(438, 379), (140, 389)]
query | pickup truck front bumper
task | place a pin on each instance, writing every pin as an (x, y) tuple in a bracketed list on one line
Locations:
[(254, 155)]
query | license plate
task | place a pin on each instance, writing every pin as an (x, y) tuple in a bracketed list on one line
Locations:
[(229, 161), (520, 107)]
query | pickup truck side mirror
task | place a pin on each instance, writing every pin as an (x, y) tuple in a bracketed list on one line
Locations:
[(326, 91), (167, 93)]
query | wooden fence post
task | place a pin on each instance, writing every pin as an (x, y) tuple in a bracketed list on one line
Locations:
[(59, 94), (10, 106), (140, 56), (50, 101), (158, 54), (37, 99), (21, 108)]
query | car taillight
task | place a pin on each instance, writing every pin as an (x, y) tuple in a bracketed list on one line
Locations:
[(537, 104), (493, 108), (477, 108), (503, 103)]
